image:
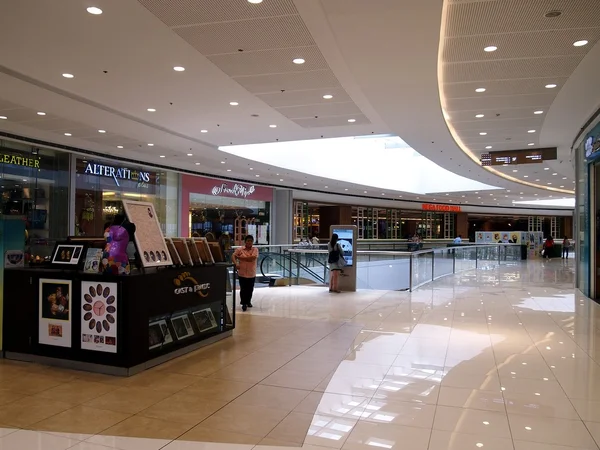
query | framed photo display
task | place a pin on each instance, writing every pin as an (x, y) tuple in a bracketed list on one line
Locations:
[(149, 239), (68, 256), (55, 313)]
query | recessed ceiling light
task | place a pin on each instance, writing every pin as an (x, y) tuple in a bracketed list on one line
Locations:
[(548, 183), (328, 96), (3, 117), (151, 110), (197, 163), (228, 170), (150, 145), (68, 75), (119, 146), (251, 168), (298, 61), (68, 134), (531, 143), (281, 179), (488, 146), (537, 179), (351, 120), (515, 170), (479, 116), (531, 131), (326, 187), (40, 113), (272, 126), (203, 131), (365, 192), (94, 10), (256, 2), (491, 48), (564, 178), (525, 176), (190, 154), (162, 156), (580, 43), (222, 162), (178, 69), (550, 86), (480, 90), (101, 131), (305, 184), (234, 103), (546, 168), (562, 186), (483, 133), (538, 112)]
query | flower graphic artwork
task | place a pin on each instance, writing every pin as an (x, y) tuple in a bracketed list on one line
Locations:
[(100, 308)]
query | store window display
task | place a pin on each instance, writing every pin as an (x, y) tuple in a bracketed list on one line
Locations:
[(34, 185), (102, 185)]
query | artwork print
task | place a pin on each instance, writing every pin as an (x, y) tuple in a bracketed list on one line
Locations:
[(99, 316), (54, 323)]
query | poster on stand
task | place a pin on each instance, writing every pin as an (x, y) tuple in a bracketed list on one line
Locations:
[(99, 316), (149, 239), (14, 258), (54, 324)]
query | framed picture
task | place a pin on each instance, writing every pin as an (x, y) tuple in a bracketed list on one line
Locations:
[(93, 256), (182, 326), (158, 334), (216, 252), (191, 245), (14, 258), (67, 255), (98, 314), (205, 320), (54, 323), (183, 251), (148, 236), (203, 250), (173, 252)]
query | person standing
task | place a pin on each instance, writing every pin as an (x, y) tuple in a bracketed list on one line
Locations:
[(565, 247), (458, 239), (336, 262), (245, 259), (548, 247)]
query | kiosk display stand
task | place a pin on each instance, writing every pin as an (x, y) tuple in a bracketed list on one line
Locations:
[(348, 235)]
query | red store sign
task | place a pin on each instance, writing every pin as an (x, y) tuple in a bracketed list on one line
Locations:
[(440, 208)]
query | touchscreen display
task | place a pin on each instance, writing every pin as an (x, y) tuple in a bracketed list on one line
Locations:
[(346, 240)]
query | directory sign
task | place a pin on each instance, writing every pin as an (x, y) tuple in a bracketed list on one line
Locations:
[(513, 157), (346, 240)]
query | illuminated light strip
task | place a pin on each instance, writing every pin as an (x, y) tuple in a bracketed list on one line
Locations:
[(453, 132)]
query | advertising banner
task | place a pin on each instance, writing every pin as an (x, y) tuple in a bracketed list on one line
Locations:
[(55, 312), (99, 316)]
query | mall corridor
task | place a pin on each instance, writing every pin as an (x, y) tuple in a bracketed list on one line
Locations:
[(499, 359)]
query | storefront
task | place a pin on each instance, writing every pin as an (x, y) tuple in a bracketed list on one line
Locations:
[(221, 210), (100, 185)]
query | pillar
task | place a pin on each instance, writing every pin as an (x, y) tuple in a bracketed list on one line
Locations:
[(282, 217), (462, 225)]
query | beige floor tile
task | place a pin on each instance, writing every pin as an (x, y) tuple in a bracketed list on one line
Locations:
[(203, 433), (409, 390), (128, 400), (161, 381), (471, 399), (470, 421), (244, 419), (145, 427), (30, 410), (294, 380), (272, 397), (366, 435), (541, 405), (481, 382), (24, 439), (76, 391), (589, 411), (31, 383), (8, 396), (293, 428), (276, 443), (445, 440), (525, 445), (244, 373), (183, 408), (81, 420), (554, 431), (215, 389), (128, 443), (336, 405), (329, 431), (399, 413)]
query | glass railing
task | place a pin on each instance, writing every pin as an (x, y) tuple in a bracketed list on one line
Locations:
[(396, 270)]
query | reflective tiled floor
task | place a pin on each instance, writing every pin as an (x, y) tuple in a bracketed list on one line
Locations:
[(498, 359)]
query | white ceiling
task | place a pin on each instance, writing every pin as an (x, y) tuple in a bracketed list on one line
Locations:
[(379, 60)]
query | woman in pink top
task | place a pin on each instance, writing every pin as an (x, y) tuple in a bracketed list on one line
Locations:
[(245, 259)]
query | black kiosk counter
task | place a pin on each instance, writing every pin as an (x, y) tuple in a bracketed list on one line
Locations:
[(115, 324)]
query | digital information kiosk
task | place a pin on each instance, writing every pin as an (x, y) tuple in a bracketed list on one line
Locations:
[(348, 235)]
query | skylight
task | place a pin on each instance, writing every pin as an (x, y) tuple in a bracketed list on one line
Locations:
[(558, 202), (383, 162)]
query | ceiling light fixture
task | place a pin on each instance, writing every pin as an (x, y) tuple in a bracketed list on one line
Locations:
[(480, 90), (531, 143), (255, 2), (203, 131), (94, 10), (488, 146), (40, 113), (546, 168), (328, 96), (564, 178), (151, 110), (351, 120), (554, 174), (68, 134), (580, 43), (222, 162), (281, 179), (101, 131), (150, 145), (272, 126), (68, 75), (162, 156), (298, 61), (178, 69), (538, 112), (550, 86), (197, 163), (483, 133), (3, 117), (234, 103), (190, 154), (119, 146), (479, 116), (531, 131), (491, 48)]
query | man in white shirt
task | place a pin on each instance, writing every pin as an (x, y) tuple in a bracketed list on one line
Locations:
[(458, 239)]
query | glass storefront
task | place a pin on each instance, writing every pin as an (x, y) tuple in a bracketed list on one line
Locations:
[(225, 211), (101, 185)]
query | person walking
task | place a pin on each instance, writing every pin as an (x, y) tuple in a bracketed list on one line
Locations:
[(565, 247), (336, 262), (245, 259), (548, 247)]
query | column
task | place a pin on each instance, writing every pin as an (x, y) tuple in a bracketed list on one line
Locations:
[(282, 217)]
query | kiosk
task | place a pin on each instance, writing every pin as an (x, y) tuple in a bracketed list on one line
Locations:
[(348, 235)]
